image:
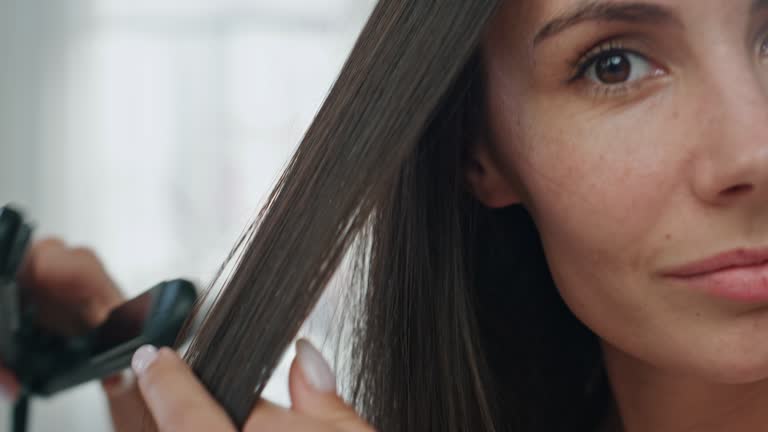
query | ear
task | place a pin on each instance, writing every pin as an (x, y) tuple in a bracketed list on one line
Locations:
[(486, 179)]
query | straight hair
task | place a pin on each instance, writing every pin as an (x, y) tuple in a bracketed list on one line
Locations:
[(458, 324)]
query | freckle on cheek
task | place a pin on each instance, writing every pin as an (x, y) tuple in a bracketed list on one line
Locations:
[(668, 236)]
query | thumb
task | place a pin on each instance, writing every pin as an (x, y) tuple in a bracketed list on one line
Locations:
[(313, 389), (129, 412)]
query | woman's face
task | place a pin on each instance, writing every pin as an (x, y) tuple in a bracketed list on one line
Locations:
[(636, 134)]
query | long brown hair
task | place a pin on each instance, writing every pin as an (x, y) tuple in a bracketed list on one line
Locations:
[(460, 327)]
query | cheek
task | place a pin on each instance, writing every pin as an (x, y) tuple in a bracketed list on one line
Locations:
[(601, 193), (597, 207)]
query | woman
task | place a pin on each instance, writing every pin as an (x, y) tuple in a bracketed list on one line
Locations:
[(604, 271)]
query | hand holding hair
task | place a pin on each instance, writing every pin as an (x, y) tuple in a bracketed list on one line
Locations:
[(177, 401)]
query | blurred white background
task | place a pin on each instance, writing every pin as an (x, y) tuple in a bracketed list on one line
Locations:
[(151, 131)]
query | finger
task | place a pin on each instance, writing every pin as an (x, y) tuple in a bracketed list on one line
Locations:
[(312, 386), (127, 408), (268, 417), (103, 293), (9, 385), (174, 396), (61, 278), (29, 273)]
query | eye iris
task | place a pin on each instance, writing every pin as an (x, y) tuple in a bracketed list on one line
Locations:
[(613, 69)]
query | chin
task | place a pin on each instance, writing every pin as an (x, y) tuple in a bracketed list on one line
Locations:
[(721, 347), (737, 362)]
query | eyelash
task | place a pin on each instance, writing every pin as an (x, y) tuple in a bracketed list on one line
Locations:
[(582, 65)]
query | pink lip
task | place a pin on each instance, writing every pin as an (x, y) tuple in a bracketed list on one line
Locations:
[(740, 274), (720, 262)]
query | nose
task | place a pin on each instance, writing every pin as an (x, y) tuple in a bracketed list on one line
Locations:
[(732, 166)]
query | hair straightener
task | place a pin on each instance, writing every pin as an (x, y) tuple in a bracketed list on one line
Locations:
[(46, 363)]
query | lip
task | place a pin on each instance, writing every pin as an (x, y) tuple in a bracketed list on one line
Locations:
[(720, 262), (739, 274)]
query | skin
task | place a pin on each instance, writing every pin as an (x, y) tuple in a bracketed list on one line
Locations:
[(626, 181), (164, 395), (623, 182), (71, 289)]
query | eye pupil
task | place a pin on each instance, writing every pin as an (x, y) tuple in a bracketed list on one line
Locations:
[(613, 69)]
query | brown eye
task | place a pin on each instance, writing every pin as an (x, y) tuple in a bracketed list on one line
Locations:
[(613, 69), (618, 67)]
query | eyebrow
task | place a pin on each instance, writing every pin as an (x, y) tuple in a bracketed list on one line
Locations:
[(593, 10)]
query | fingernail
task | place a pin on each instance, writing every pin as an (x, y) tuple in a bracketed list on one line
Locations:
[(142, 358), (315, 369)]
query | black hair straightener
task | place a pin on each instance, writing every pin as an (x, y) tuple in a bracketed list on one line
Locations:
[(46, 363)]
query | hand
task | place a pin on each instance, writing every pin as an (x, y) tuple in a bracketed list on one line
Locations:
[(70, 288), (177, 401)]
